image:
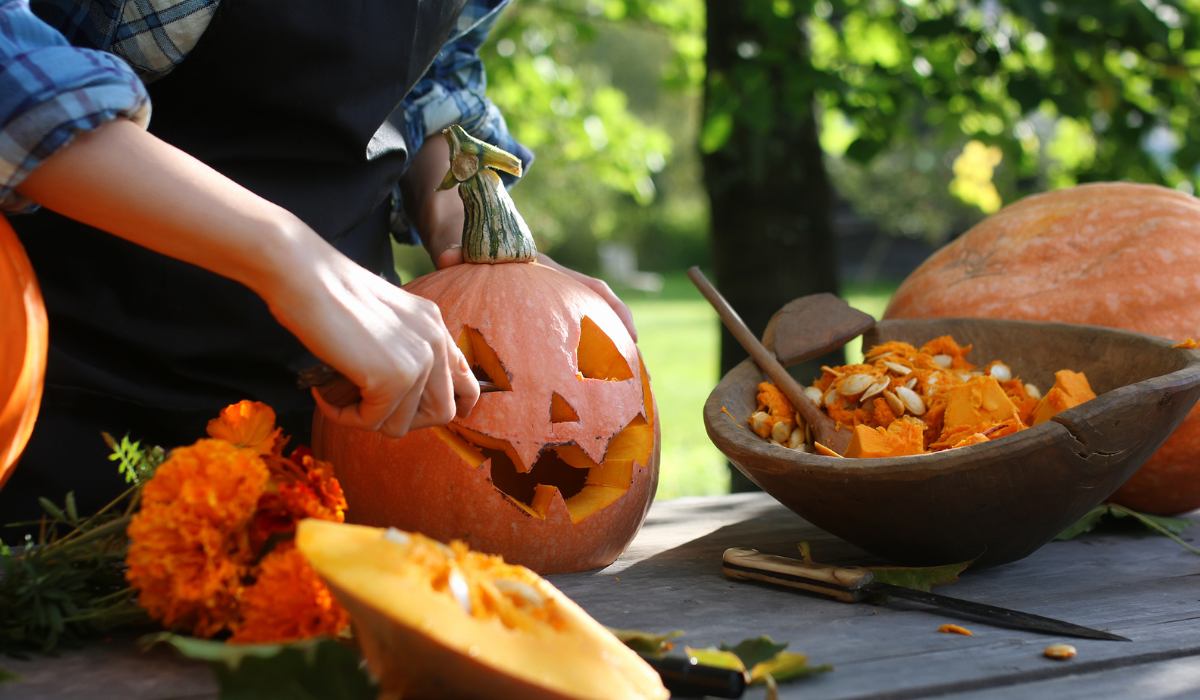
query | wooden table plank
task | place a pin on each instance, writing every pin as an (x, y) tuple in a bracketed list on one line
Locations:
[(1140, 585)]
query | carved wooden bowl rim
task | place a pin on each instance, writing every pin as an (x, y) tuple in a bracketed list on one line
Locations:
[(735, 441)]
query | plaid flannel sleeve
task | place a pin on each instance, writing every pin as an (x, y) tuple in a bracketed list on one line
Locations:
[(49, 92), (452, 90)]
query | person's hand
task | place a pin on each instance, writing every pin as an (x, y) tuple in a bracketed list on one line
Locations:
[(393, 345), (439, 218)]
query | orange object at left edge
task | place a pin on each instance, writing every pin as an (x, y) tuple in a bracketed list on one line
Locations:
[(23, 344)]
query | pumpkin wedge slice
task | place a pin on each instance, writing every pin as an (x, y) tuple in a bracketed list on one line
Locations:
[(445, 622)]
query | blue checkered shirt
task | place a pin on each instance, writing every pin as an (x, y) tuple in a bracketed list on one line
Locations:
[(77, 64)]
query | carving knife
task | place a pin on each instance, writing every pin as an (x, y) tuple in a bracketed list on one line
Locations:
[(852, 584), (338, 390)]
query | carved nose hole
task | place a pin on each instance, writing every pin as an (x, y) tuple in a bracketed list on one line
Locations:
[(485, 365), (598, 356), (561, 411)]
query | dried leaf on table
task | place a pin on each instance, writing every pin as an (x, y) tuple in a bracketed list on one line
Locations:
[(646, 642), (754, 651), (919, 578), (315, 669), (716, 658), (784, 666), (762, 659)]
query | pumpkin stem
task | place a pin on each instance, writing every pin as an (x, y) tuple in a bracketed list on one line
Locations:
[(493, 231)]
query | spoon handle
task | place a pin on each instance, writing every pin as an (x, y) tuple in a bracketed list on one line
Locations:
[(825, 428)]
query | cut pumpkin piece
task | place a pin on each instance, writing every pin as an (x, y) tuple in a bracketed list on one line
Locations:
[(980, 401), (899, 439), (446, 622), (1070, 389)]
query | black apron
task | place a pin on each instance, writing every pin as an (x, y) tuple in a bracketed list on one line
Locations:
[(289, 99)]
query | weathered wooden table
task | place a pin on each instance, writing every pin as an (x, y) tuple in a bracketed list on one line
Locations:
[(1136, 584)]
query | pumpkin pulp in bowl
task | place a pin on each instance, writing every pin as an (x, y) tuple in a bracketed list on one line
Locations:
[(994, 502)]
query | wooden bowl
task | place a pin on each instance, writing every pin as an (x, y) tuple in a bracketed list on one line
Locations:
[(998, 501)]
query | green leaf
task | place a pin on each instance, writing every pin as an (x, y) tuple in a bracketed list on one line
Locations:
[(645, 642), (717, 130), (1169, 527), (755, 651), (1172, 525), (7, 675), (316, 669), (919, 578), (716, 657), (1085, 524), (784, 666)]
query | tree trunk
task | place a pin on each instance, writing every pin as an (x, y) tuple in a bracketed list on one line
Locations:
[(772, 203)]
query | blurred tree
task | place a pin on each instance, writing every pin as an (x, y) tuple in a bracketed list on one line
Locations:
[(580, 83)]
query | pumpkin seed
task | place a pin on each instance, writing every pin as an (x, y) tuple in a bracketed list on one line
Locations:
[(760, 423), (1033, 392), (522, 590), (1001, 372), (773, 441), (813, 393), (781, 431), (879, 385), (398, 536), (831, 396), (803, 447), (911, 399), (796, 439), (1060, 651), (855, 384), (898, 369), (943, 360), (460, 590), (894, 403), (913, 382)]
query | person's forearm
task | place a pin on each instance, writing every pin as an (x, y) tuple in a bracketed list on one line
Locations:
[(123, 180)]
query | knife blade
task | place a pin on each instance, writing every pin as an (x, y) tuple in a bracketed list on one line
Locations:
[(337, 389), (852, 584)]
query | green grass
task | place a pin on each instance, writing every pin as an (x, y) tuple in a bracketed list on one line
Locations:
[(678, 333)]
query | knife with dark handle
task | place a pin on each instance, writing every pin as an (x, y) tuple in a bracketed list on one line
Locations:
[(851, 584), (337, 389)]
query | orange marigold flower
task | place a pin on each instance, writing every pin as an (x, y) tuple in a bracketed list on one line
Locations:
[(248, 424), (287, 602), (189, 547)]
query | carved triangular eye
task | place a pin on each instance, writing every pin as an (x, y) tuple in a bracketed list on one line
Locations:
[(482, 358), (598, 355), (560, 410)]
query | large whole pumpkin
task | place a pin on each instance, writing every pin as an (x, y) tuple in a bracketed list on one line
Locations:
[(23, 344), (557, 470), (1111, 254)]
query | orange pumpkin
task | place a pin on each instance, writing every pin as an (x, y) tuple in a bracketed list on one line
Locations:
[(1110, 254), (23, 345), (557, 470)]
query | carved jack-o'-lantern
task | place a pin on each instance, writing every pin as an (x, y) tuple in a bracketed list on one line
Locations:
[(555, 471)]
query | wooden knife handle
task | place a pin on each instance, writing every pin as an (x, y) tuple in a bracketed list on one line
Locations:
[(846, 583)]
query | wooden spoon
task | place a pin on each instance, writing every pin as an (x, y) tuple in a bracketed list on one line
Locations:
[(823, 338)]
